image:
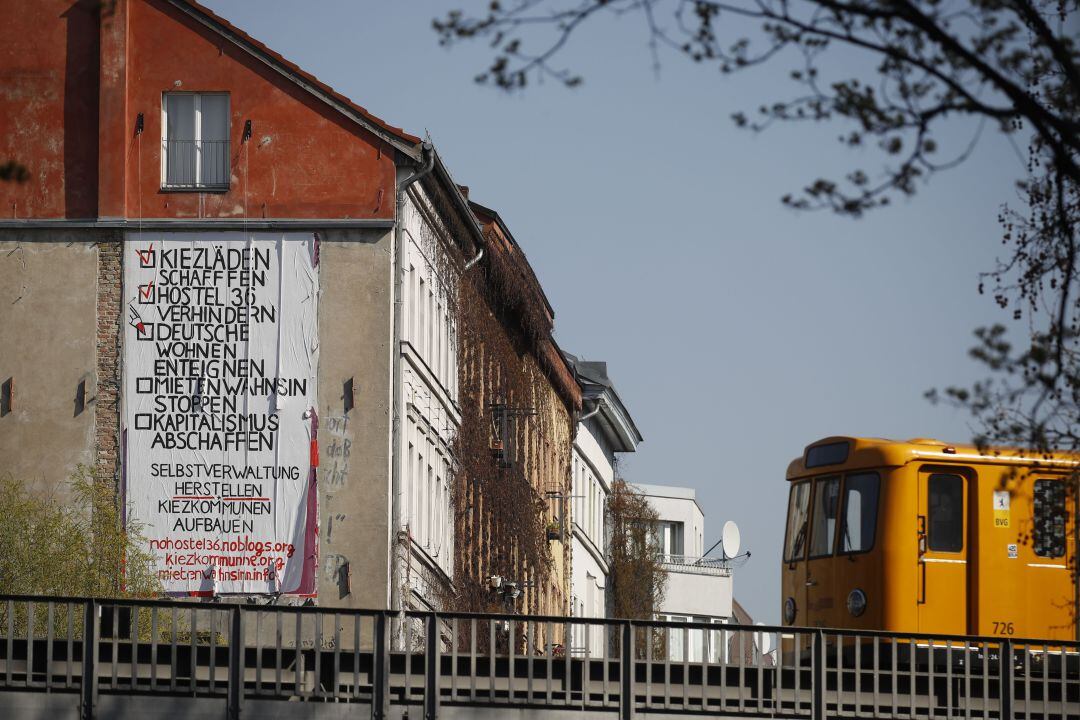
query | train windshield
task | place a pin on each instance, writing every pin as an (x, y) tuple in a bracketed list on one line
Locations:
[(798, 507)]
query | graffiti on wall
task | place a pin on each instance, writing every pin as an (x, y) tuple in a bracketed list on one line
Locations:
[(219, 426)]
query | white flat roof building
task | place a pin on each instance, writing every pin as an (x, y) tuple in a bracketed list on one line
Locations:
[(699, 588)]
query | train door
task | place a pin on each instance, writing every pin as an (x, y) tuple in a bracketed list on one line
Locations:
[(821, 602), (943, 553)]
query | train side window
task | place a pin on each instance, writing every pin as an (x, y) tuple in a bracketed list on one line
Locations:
[(1049, 535), (823, 521), (945, 521), (798, 508), (859, 521)]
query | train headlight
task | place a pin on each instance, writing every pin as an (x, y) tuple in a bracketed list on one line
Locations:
[(789, 610), (856, 602)]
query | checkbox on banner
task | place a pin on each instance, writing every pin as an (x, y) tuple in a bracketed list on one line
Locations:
[(147, 257), (144, 385), (146, 294), (146, 332), (142, 421)]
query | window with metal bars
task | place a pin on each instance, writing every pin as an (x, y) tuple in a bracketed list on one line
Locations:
[(195, 141)]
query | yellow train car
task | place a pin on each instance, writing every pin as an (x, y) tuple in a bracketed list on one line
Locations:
[(925, 537)]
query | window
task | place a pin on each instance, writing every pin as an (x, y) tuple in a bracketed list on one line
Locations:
[(422, 325), (422, 495), (945, 514), (436, 520), (410, 479), (860, 512), (830, 454), (1049, 535), (437, 346), (414, 310), (429, 340), (675, 637), (410, 316), (669, 538), (429, 535), (798, 505), (195, 141), (590, 595), (823, 534)]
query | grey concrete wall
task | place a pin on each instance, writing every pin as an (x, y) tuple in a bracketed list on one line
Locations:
[(48, 340), (355, 341)]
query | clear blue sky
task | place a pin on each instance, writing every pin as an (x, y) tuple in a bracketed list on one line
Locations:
[(736, 331)]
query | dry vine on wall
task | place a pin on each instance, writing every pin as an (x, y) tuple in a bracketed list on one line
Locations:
[(637, 580), (512, 449)]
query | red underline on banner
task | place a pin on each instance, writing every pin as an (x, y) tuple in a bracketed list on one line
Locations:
[(194, 497), (244, 499)]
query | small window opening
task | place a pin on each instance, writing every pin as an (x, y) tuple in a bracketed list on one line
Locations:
[(945, 514), (798, 510), (1049, 535), (823, 534)]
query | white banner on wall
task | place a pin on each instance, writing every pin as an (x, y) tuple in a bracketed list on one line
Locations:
[(219, 426)]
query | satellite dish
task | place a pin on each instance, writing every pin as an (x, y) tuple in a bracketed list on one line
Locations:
[(731, 539), (764, 641)]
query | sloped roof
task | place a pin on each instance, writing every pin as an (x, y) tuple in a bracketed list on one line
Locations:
[(404, 141), (486, 214), (592, 376), (592, 371), (739, 613)]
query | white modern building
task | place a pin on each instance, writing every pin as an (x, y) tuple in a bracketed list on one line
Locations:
[(699, 587), (604, 429)]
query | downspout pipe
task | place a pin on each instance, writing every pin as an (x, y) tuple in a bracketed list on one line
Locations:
[(429, 163), (586, 416), (475, 259), (397, 575), (463, 207)]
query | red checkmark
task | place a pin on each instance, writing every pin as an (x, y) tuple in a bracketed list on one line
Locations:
[(145, 290), (144, 255)]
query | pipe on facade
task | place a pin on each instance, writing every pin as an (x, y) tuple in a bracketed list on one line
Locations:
[(395, 561), (586, 416), (429, 164), (475, 259)]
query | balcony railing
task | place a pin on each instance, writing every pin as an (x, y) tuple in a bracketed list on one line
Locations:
[(196, 164), (696, 565), (122, 658)]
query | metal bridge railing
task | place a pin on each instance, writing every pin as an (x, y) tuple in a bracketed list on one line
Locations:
[(433, 663)]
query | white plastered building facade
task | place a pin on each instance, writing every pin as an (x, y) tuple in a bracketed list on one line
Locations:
[(429, 414), (604, 429)]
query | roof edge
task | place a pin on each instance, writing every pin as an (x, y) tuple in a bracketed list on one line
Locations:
[(619, 418), (399, 139), (505, 229)]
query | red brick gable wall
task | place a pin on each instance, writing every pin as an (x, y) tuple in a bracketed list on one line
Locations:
[(48, 107), (304, 159), (71, 88)]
